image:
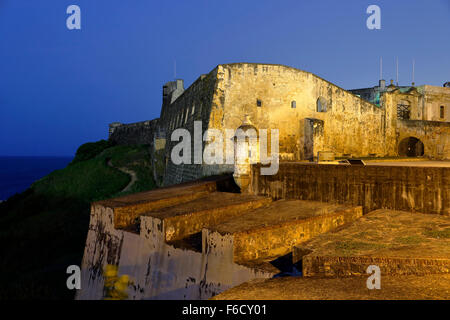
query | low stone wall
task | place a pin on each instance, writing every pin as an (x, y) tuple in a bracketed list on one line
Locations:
[(351, 266), (421, 189)]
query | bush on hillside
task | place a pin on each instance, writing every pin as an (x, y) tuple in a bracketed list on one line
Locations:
[(90, 150)]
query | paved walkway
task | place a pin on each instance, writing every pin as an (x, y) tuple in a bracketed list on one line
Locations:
[(353, 288)]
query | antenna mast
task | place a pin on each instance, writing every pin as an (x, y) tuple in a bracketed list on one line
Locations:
[(397, 70), (381, 68)]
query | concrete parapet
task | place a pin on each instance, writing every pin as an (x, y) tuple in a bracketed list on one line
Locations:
[(415, 189)]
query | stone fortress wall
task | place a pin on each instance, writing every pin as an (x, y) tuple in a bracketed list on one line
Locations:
[(142, 132), (194, 104), (196, 239), (289, 100)]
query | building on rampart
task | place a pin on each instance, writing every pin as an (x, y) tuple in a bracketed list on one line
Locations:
[(311, 114)]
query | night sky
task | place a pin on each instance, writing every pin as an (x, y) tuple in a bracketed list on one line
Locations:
[(60, 88)]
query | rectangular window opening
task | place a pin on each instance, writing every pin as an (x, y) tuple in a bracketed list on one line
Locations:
[(403, 111)]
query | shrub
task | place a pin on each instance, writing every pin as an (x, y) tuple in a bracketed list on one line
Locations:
[(90, 150)]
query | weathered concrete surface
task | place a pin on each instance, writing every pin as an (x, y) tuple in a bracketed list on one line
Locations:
[(421, 189), (398, 242), (429, 287), (158, 270), (274, 230)]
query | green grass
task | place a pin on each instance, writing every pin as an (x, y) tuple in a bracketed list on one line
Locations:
[(409, 240), (352, 247), (43, 230)]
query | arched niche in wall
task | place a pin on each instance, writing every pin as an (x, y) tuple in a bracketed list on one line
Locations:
[(321, 104)]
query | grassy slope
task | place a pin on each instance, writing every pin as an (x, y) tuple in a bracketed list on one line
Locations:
[(43, 230)]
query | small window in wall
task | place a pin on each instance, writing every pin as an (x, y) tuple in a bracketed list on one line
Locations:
[(258, 102), (321, 104), (293, 104), (442, 112), (403, 111)]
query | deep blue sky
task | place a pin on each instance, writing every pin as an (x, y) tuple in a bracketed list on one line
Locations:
[(60, 88)]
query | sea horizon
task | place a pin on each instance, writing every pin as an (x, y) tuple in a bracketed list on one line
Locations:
[(18, 173), (32, 156)]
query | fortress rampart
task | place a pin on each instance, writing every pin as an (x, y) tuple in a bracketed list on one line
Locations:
[(143, 132), (409, 188), (310, 114)]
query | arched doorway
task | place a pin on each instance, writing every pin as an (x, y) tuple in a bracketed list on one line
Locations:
[(410, 147)]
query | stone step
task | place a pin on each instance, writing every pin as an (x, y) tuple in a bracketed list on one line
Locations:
[(128, 208), (273, 231), (183, 220)]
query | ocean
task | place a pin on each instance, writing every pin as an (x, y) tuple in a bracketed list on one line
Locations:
[(18, 173)]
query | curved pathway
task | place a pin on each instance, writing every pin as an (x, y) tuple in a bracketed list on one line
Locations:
[(131, 173)]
